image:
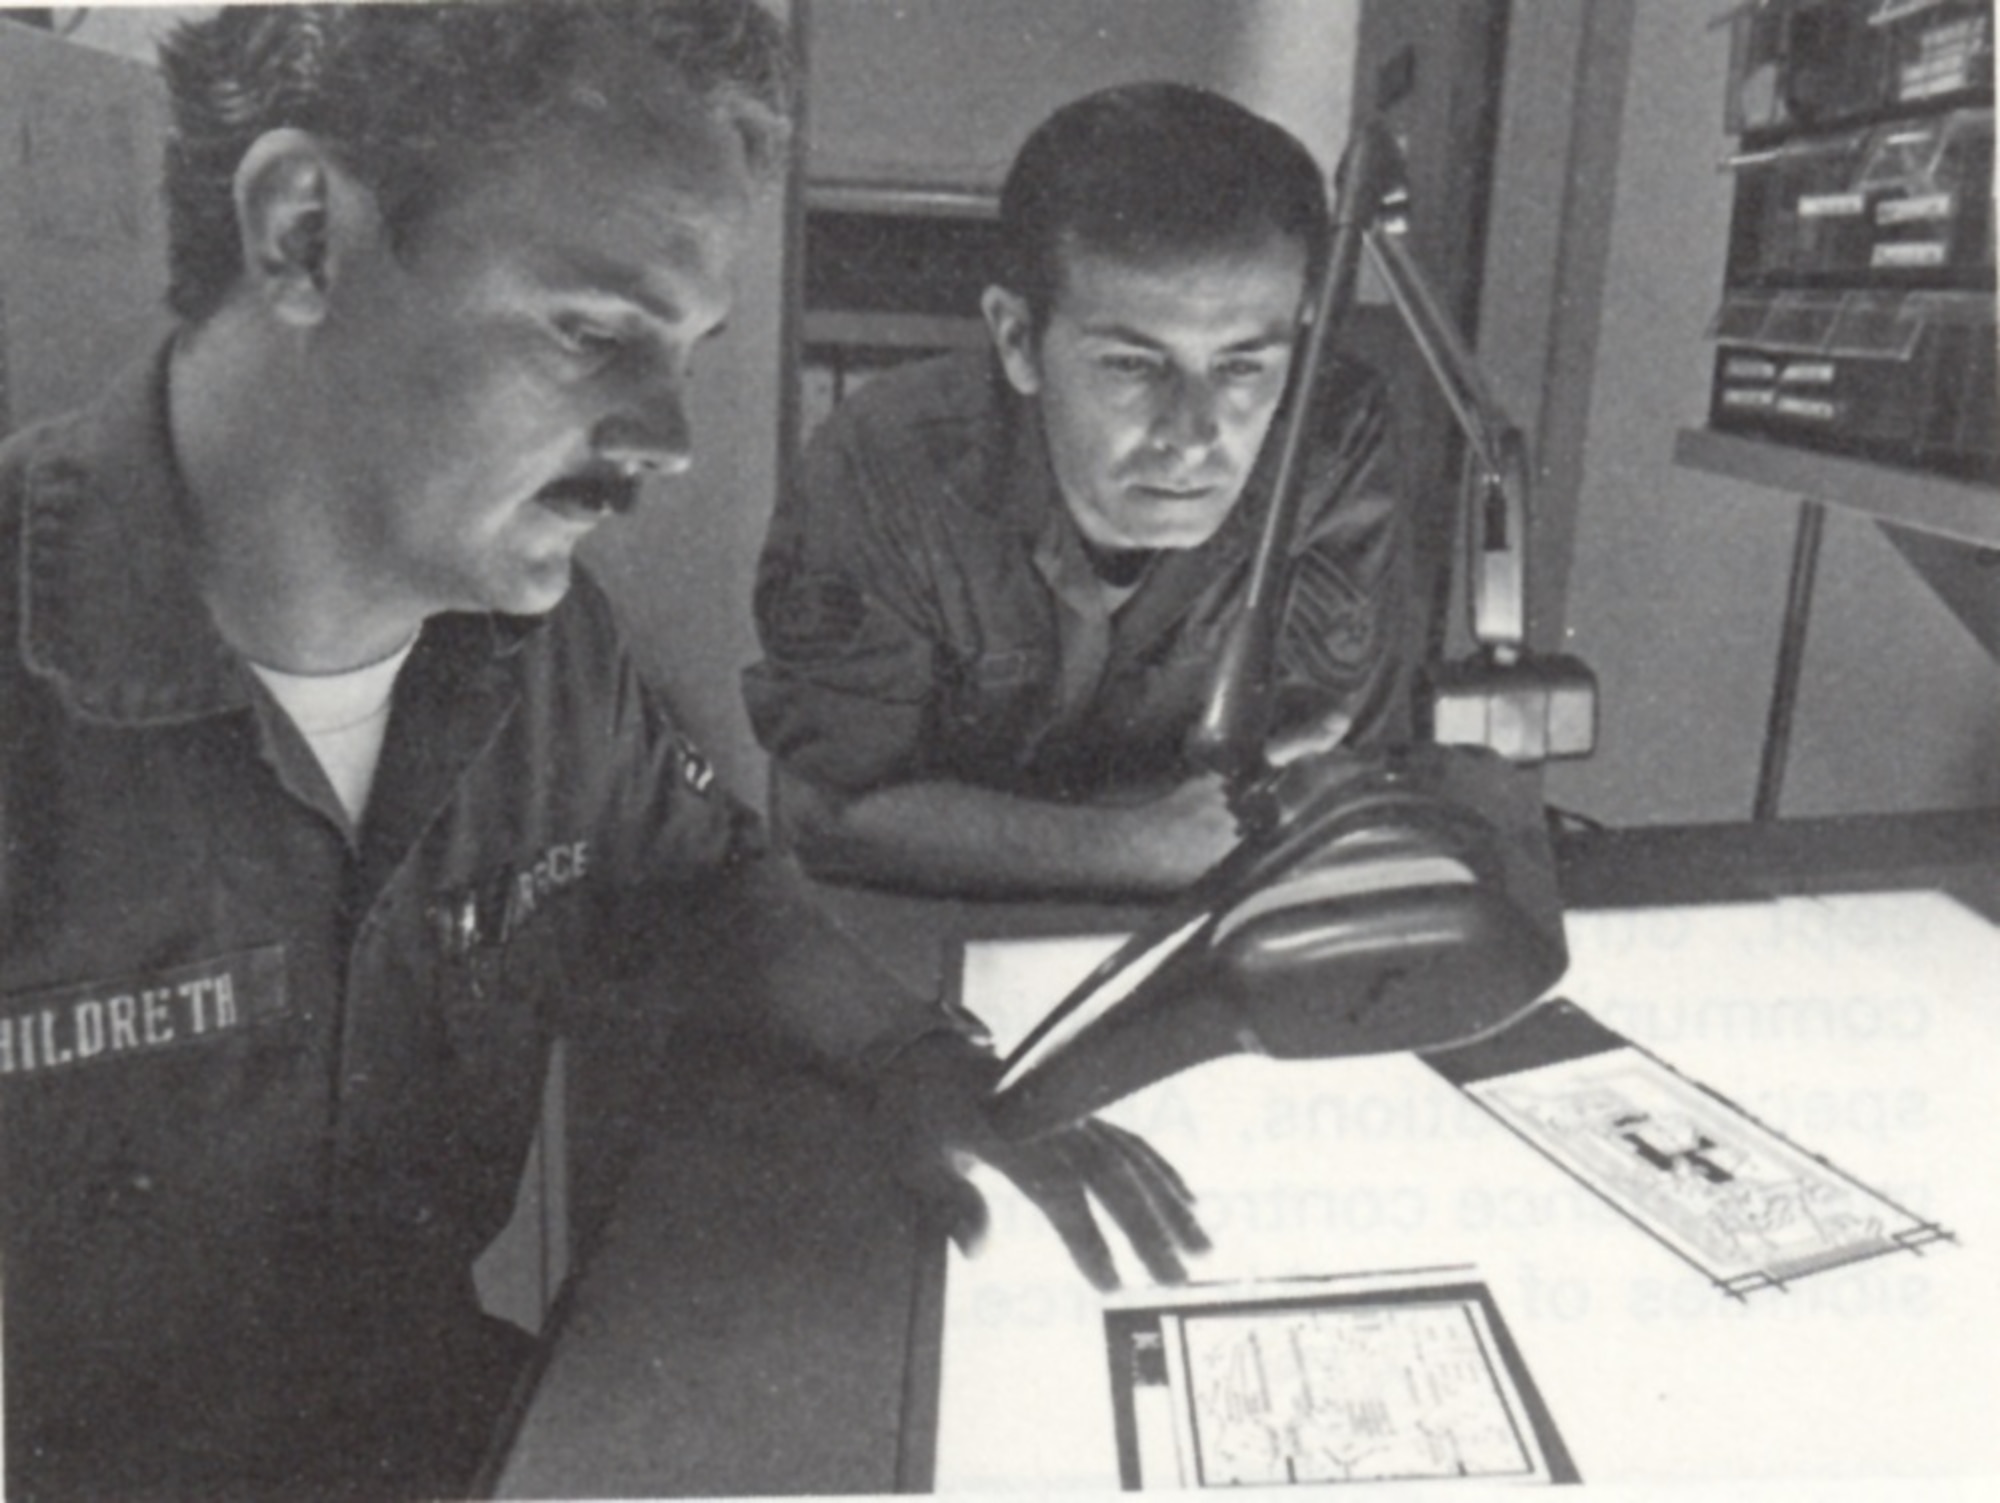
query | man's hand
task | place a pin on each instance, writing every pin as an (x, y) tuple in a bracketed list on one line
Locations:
[(930, 1104), (1182, 833)]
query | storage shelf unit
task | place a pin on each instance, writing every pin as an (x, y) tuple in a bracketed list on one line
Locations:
[(918, 333), (1857, 309), (1957, 509), (891, 272), (1857, 312)]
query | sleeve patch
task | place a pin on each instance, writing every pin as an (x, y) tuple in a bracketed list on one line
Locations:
[(1330, 626)]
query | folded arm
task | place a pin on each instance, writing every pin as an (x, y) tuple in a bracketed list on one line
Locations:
[(942, 836)]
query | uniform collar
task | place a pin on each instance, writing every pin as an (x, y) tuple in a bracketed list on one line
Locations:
[(112, 615)]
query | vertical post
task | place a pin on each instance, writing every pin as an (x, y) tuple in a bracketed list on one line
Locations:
[(1791, 656)]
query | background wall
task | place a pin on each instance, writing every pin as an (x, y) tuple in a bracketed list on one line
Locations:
[(926, 91), (133, 29)]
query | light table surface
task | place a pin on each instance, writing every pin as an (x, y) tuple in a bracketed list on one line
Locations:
[(790, 1336), (1864, 1027)]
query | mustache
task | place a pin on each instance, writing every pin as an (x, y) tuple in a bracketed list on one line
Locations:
[(598, 490)]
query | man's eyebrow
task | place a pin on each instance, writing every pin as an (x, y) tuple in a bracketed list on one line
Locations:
[(1268, 339), (1125, 334), (589, 279), (631, 292)]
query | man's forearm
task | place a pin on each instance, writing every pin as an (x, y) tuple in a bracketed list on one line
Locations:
[(957, 838)]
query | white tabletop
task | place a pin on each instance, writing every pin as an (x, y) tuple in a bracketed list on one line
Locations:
[(1866, 1028)]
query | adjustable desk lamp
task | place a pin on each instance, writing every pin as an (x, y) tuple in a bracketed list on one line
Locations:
[(1371, 906)]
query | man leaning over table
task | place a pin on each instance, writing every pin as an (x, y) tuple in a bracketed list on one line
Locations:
[(327, 788)]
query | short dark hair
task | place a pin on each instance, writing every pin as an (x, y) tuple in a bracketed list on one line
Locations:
[(393, 88), (1151, 170)]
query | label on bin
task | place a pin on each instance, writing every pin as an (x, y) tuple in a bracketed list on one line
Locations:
[(1908, 253), (1916, 208), (1750, 368), (1813, 409), (1756, 398)]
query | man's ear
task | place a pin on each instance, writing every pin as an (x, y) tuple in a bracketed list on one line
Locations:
[(1012, 328), (297, 213)]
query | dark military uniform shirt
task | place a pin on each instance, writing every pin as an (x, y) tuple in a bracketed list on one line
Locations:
[(266, 1081), (927, 612)]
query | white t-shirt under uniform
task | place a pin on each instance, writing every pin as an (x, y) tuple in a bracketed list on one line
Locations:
[(343, 717)]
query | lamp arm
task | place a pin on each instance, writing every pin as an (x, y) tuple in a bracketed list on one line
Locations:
[(1372, 193), (1229, 735), (1486, 427), (1497, 474)]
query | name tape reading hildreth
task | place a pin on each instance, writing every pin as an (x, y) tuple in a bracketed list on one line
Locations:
[(69, 1027)]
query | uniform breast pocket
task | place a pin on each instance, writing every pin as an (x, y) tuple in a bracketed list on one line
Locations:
[(1196, 642), (1167, 685), (142, 1112), (497, 999), (500, 969), (491, 999)]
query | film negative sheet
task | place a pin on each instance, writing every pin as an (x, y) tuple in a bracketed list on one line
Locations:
[(1319, 1382), (1739, 1201)]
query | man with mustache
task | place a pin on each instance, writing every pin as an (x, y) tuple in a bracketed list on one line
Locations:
[(991, 602), (328, 794)]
